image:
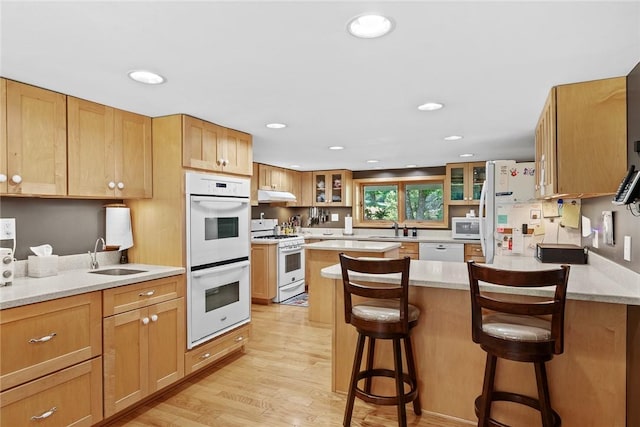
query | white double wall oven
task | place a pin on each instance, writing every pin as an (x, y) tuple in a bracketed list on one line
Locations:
[(218, 248)]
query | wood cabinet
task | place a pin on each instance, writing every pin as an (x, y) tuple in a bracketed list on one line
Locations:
[(3, 136), (581, 143), (254, 184), (216, 349), (473, 251), (464, 182), (332, 188), (410, 249), (273, 178), (51, 359), (109, 151), (214, 148), (307, 189), (144, 340), (264, 272), (36, 141)]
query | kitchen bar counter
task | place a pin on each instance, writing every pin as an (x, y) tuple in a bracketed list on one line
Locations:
[(377, 237), (595, 382), (29, 290), (322, 254)]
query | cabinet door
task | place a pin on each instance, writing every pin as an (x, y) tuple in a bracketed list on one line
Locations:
[(133, 159), (236, 152), (263, 272), (91, 149), (476, 178), (126, 369), (255, 184), (307, 189), (456, 183), (167, 343), (545, 137), (200, 144), (295, 187), (214, 350), (36, 140), (3, 136)]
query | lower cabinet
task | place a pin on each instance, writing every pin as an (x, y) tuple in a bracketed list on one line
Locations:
[(143, 347), (72, 396), (473, 251), (264, 274), (216, 349), (410, 249)]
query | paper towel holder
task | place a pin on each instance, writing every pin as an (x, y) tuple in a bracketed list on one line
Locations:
[(116, 247)]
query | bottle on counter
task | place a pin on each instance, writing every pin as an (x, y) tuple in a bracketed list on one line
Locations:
[(414, 232), (405, 231)]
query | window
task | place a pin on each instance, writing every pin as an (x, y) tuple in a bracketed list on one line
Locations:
[(414, 201)]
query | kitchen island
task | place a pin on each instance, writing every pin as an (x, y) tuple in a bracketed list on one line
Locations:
[(323, 254), (595, 382)]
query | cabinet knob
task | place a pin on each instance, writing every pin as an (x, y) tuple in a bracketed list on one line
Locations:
[(120, 185), (44, 415), (3, 177), (16, 179), (240, 338), (220, 162), (154, 317), (145, 320), (205, 356), (111, 185)]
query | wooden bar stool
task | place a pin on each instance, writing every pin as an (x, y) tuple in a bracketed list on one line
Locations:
[(523, 331), (385, 313)]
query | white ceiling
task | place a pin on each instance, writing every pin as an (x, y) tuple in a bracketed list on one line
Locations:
[(243, 64)]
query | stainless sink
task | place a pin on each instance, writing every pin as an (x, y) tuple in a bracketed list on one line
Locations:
[(384, 237), (118, 271)]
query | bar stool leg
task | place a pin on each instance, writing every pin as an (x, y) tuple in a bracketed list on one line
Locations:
[(543, 395), (397, 356), (487, 391), (411, 367), (370, 353), (357, 360)]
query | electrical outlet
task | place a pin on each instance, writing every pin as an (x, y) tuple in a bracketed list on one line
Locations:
[(627, 248), (595, 239), (7, 228)]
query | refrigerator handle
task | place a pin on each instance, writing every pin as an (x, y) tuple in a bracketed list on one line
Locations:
[(483, 196)]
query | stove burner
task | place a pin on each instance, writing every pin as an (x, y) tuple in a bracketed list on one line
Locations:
[(282, 236)]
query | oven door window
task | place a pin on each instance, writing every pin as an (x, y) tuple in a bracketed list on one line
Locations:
[(221, 228), (292, 262), (221, 296)]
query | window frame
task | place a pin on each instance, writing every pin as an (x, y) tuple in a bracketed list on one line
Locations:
[(401, 182)]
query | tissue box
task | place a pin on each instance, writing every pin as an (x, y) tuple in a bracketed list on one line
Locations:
[(42, 266)]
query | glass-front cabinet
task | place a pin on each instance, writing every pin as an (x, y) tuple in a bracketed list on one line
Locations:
[(464, 182), (332, 188)]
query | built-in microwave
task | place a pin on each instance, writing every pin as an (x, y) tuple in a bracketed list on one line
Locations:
[(465, 228)]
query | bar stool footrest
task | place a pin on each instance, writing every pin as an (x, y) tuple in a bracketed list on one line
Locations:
[(369, 397), (521, 399)]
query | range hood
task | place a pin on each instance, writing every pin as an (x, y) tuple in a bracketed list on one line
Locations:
[(266, 196)]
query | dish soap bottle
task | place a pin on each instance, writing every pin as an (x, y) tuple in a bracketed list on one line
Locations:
[(405, 231)]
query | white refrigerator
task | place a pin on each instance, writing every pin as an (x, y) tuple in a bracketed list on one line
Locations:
[(507, 202)]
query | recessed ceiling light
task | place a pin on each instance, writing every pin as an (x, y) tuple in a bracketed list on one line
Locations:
[(294, 166), (146, 77), (372, 161), (336, 147), (276, 125), (411, 166), (369, 26), (466, 155), (452, 138), (430, 106)]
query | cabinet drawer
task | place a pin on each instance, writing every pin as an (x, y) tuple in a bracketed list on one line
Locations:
[(473, 252), (410, 249), (41, 338), (72, 396), (216, 349), (131, 297)]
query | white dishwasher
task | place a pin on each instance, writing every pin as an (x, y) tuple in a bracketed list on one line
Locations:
[(442, 251)]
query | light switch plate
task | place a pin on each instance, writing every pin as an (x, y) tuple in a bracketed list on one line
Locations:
[(7, 228), (627, 248)]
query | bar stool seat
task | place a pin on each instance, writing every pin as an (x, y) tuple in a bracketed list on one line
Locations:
[(383, 312), (524, 331)]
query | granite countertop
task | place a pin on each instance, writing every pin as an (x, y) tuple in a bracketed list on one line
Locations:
[(29, 290), (599, 281), (352, 245)]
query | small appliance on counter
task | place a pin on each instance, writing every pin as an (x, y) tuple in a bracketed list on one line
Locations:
[(6, 266), (561, 253)]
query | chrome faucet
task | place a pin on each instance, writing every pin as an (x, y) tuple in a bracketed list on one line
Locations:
[(94, 259), (395, 228)]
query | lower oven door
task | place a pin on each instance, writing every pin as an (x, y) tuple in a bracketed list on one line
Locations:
[(219, 300), (290, 265)]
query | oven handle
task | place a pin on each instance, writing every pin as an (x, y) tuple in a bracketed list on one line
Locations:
[(201, 199), (291, 249), (292, 285), (216, 270)]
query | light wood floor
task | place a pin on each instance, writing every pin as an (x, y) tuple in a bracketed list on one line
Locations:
[(282, 379)]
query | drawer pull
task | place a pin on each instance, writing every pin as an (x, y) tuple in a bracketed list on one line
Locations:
[(43, 339), (205, 356), (240, 338), (147, 294), (44, 414)]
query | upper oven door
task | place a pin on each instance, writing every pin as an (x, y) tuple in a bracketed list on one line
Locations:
[(219, 229)]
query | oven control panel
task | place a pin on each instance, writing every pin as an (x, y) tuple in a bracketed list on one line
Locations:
[(216, 185)]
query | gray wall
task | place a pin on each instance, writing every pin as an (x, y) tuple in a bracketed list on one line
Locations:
[(70, 226)]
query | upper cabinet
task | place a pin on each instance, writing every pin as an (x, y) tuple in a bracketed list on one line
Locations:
[(109, 151), (35, 149), (581, 143), (332, 188), (464, 182), (215, 148), (3, 136)]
